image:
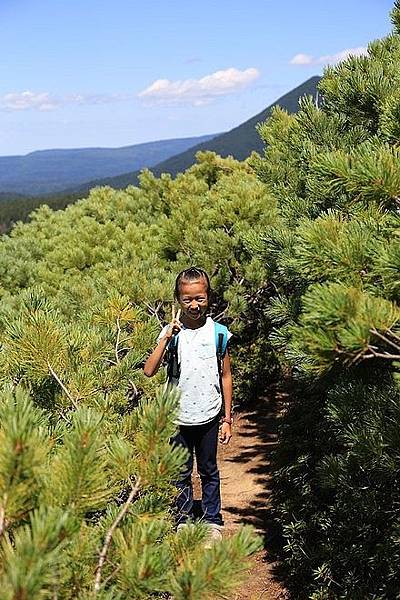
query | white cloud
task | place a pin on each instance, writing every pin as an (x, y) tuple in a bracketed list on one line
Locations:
[(307, 59), (302, 59), (95, 98), (199, 91), (24, 100), (334, 58), (44, 101), (194, 91)]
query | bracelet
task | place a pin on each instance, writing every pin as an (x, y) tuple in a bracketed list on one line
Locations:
[(226, 420)]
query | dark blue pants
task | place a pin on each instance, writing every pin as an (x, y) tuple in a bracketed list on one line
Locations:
[(201, 440)]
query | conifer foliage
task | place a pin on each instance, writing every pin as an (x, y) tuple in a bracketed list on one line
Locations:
[(333, 262), (303, 249), (86, 465)]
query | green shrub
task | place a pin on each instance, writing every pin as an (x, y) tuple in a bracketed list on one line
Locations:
[(332, 259)]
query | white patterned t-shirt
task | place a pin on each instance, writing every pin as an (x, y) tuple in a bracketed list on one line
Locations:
[(199, 383)]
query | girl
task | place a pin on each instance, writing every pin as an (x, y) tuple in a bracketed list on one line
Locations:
[(200, 383)]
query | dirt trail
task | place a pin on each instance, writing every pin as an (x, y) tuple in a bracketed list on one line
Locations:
[(245, 482)]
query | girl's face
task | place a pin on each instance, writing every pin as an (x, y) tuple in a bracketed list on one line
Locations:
[(193, 299)]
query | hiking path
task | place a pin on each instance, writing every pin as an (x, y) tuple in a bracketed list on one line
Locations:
[(245, 470)]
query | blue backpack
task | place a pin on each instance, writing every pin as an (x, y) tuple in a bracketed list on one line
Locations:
[(221, 343)]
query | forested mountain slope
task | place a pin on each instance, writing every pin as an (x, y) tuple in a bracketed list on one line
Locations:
[(239, 142), (49, 171)]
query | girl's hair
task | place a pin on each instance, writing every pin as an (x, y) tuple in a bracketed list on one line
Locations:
[(191, 274)]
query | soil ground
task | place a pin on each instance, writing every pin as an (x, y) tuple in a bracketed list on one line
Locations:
[(245, 484)]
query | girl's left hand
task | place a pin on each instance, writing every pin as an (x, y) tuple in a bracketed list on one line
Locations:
[(225, 433)]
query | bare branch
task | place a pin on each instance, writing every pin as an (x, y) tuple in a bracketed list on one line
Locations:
[(109, 534), (221, 314), (385, 355), (393, 335), (133, 386), (117, 341), (65, 417), (3, 515), (111, 576), (154, 311), (357, 357), (60, 383), (385, 339)]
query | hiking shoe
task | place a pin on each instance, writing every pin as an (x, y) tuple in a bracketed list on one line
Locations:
[(214, 535)]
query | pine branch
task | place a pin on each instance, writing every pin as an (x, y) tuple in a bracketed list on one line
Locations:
[(385, 355), (386, 339), (117, 341), (154, 311), (3, 516), (221, 314), (60, 383), (110, 532), (396, 337)]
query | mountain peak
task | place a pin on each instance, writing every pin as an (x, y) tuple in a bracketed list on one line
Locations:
[(239, 142), (74, 172)]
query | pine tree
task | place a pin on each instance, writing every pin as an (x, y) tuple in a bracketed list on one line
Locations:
[(85, 508), (85, 461), (332, 260)]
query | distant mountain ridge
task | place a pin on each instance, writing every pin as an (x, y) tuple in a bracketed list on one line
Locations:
[(51, 171), (239, 142)]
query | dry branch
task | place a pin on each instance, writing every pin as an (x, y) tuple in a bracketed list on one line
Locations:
[(109, 534)]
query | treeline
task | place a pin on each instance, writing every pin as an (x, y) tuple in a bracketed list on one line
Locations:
[(240, 142), (303, 248), (15, 208)]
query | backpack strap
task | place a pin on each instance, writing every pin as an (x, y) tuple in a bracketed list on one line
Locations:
[(221, 339), (221, 343), (173, 366)]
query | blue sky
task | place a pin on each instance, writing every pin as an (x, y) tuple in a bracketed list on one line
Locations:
[(80, 73)]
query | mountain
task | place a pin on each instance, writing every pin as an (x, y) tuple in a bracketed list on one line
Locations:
[(239, 142), (51, 171)]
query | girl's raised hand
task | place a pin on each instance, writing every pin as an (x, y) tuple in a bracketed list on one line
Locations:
[(175, 325)]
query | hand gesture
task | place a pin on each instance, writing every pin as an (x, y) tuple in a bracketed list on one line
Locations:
[(175, 325)]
